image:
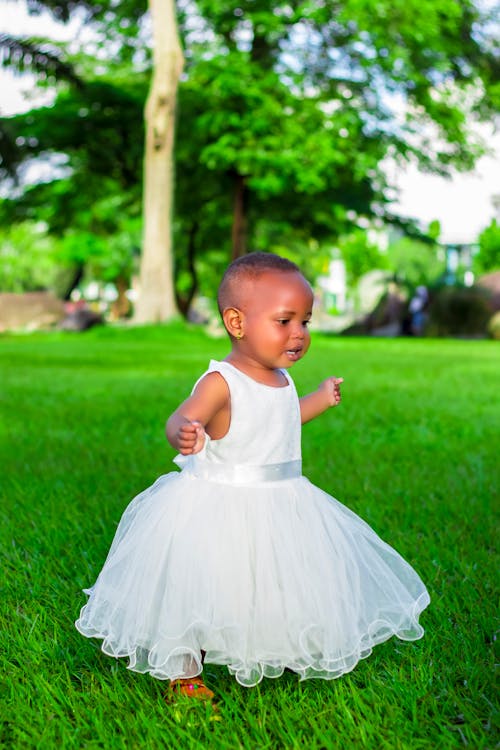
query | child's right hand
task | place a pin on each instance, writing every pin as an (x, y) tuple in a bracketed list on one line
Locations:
[(190, 438)]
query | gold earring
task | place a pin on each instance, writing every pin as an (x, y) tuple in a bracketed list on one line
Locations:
[(239, 336)]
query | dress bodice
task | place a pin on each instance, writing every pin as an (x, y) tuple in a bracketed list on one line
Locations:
[(265, 426)]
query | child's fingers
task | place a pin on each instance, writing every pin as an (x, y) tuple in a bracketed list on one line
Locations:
[(190, 440), (191, 437), (187, 434), (189, 431), (189, 428), (335, 385)]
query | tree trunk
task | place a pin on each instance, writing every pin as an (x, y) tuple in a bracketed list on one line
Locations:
[(120, 308), (156, 300), (239, 229), (184, 300), (76, 277)]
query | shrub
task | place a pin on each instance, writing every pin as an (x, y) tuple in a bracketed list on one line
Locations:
[(459, 311), (494, 326)]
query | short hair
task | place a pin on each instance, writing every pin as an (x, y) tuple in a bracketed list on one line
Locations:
[(249, 266)]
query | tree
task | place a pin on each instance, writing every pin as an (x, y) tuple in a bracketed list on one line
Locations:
[(23, 55), (27, 261), (415, 263), (157, 299), (91, 204), (488, 257), (338, 87), (360, 255), (288, 109)]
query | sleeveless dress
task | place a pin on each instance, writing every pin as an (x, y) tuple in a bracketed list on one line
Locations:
[(242, 557)]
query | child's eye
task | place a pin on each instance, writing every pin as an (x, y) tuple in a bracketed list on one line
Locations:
[(283, 321), (306, 322)]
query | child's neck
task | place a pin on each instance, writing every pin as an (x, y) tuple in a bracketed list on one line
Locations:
[(256, 370)]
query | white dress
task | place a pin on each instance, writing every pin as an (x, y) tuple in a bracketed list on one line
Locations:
[(242, 557)]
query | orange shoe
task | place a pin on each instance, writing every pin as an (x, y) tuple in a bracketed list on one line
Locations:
[(193, 687)]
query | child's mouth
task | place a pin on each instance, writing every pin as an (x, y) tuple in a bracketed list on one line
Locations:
[(293, 354)]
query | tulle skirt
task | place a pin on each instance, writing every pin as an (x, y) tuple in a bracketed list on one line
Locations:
[(261, 578)]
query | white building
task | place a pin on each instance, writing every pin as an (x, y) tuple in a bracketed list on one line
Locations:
[(332, 288)]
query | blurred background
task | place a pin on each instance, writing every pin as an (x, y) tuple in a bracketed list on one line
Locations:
[(355, 137)]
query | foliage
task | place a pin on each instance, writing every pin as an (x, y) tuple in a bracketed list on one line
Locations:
[(27, 258), (92, 204), (300, 104), (434, 230), (488, 257), (106, 254), (97, 127), (458, 311), (360, 255), (239, 124), (42, 57), (281, 142), (415, 262), (83, 418), (37, 55), (494, 326), (286, 114), (364, 55)]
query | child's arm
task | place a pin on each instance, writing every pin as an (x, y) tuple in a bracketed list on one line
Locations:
[(185, 428), (327, 395)]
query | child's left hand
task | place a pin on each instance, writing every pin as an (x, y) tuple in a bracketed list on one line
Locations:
[(331, 389)]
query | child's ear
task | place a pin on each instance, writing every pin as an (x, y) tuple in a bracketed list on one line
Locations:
[(233, 320)]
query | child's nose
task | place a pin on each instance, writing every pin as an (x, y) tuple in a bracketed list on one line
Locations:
[(298, 331)]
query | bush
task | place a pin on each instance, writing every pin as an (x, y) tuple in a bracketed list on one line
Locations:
[(488, 257), (459, 311), (494, 326)]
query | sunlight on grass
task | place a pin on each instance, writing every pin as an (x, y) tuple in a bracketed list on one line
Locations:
[(413, 449)]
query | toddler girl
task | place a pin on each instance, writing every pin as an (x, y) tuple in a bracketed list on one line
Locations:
[(238, 559)]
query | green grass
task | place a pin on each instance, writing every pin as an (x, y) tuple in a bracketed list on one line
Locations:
[(413, 449)]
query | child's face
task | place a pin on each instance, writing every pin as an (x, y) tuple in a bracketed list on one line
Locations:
[(276, 309)]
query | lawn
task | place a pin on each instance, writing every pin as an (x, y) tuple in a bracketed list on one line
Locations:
[(413, 449)]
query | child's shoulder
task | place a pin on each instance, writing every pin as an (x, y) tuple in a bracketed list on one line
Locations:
[(211, 384)]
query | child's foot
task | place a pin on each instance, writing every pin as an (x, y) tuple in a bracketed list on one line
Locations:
[(193, 687)]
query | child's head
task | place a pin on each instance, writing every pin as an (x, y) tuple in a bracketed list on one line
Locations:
[(248, 268), (266, 304)]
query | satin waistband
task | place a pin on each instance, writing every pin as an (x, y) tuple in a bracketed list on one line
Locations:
[(239, 473)]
